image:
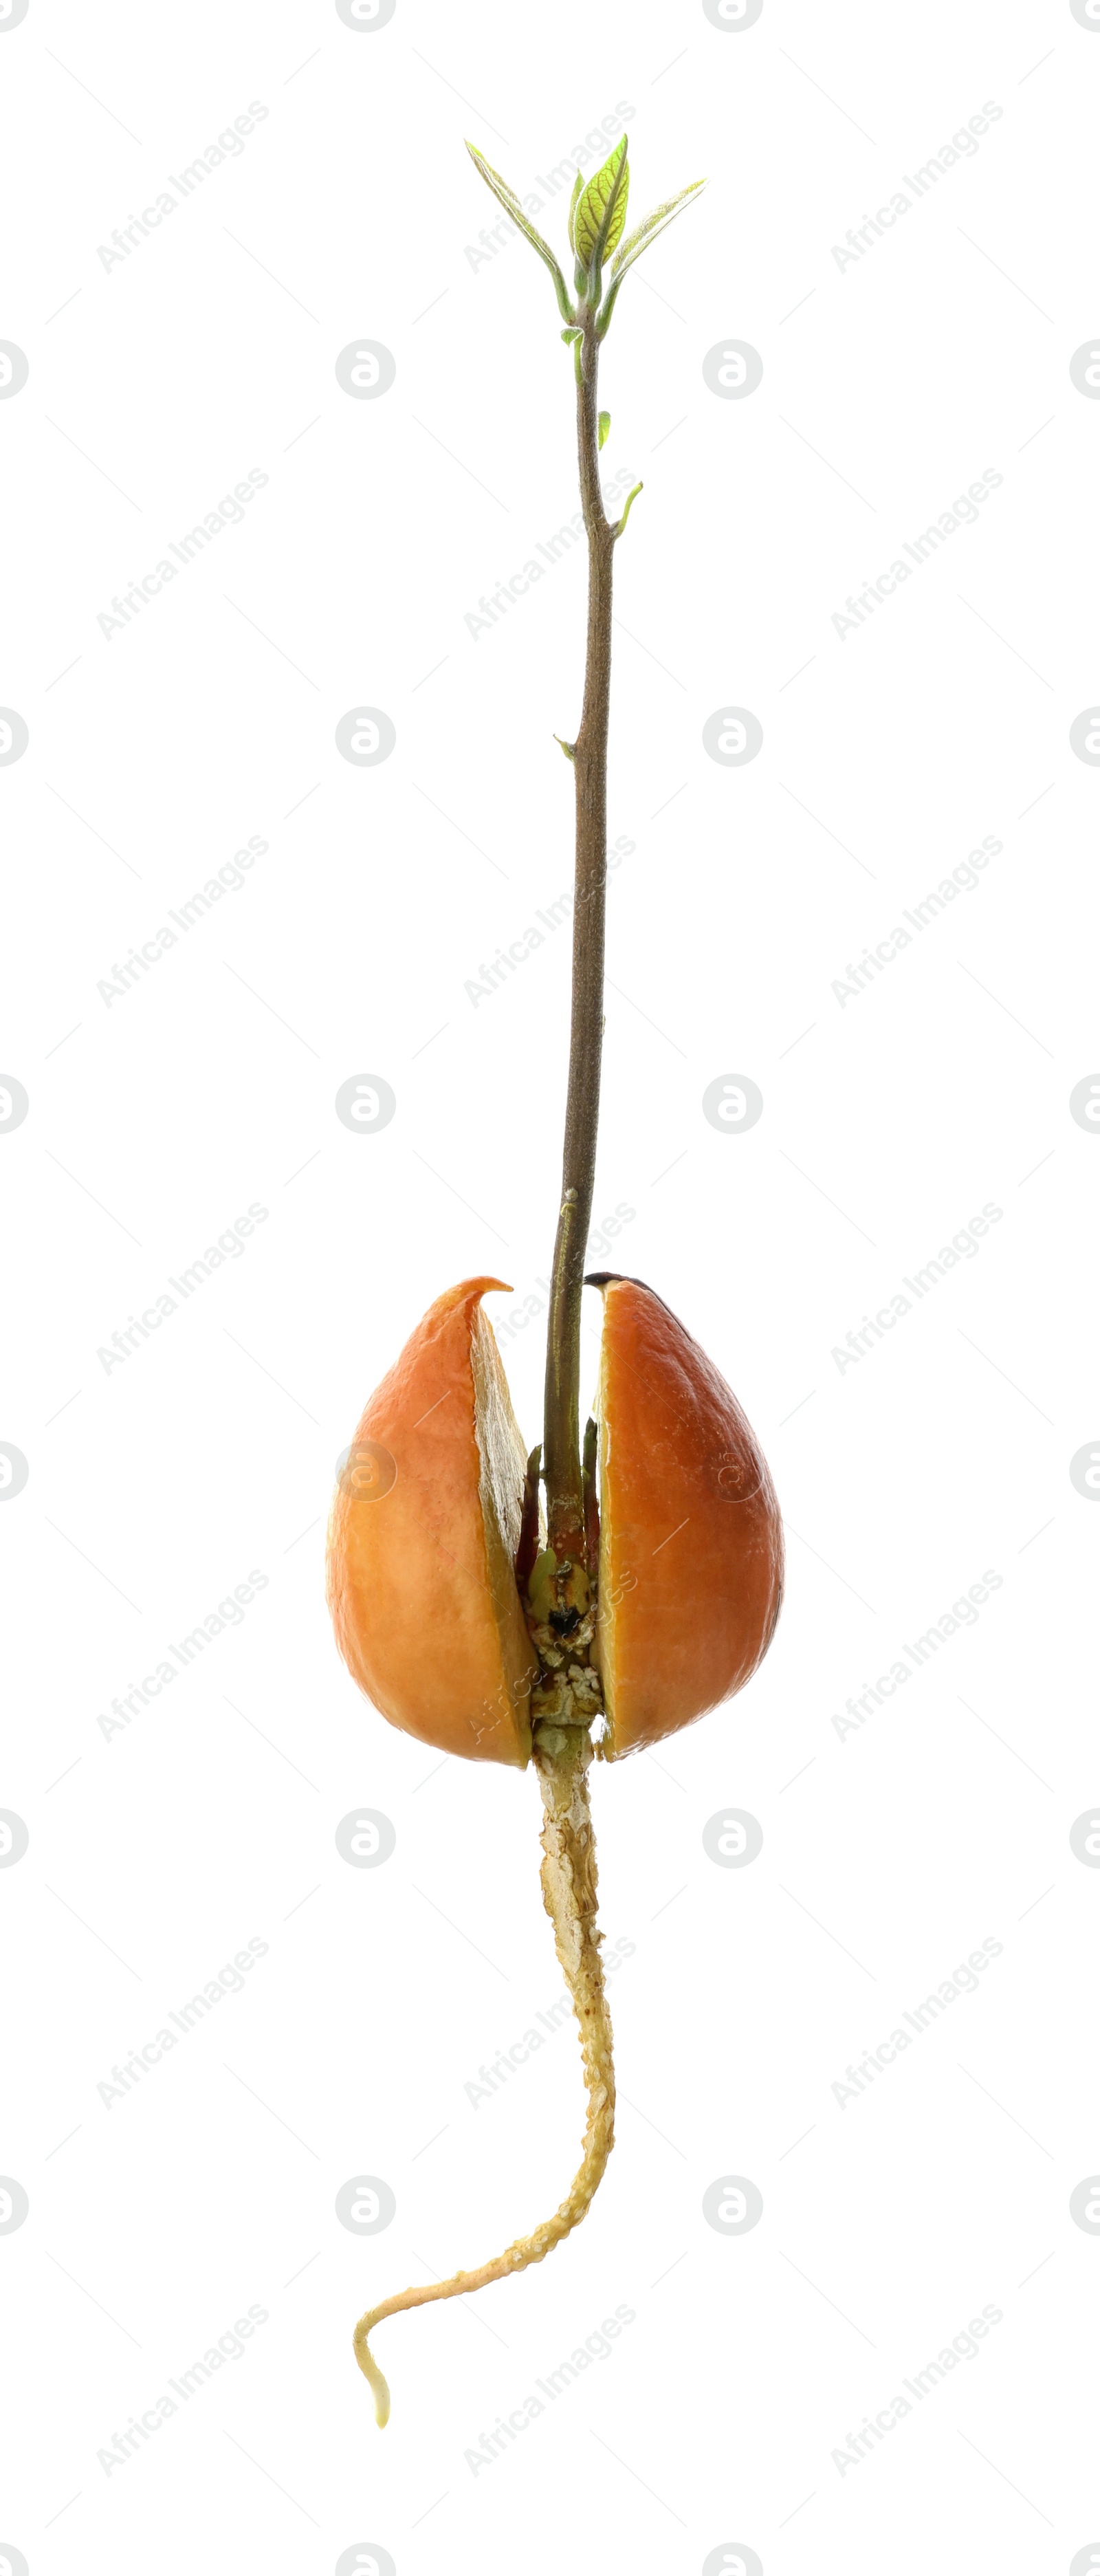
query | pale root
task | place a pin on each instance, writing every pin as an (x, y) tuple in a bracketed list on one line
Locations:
[(562, 1756)]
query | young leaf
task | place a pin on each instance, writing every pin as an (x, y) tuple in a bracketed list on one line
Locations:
[(640, 240), (601, 211), (653, 224), (507, 197), (578, 184), (605, 424), (627, 506)]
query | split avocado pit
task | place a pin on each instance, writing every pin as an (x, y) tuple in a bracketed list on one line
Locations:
[(672, 1615)]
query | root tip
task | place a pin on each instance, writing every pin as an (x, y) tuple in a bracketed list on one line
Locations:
[(371, 2372)]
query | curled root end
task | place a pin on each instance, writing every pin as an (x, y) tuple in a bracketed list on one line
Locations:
[(569, 1894), (370, 2370)]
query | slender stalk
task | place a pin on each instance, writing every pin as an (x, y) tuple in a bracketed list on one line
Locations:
[(569, 1895), (564, 1501)]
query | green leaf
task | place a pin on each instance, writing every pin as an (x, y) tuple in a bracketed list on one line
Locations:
[(627, 505), (640, 240), (578, 184), (605, 424), (655, 223), (507, 197), (601, 211)]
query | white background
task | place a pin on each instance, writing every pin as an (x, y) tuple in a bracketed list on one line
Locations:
[(155, 1120)]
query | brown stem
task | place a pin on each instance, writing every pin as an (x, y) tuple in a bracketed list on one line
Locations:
[(528, 1547), (564, 1500), (569, 1895)]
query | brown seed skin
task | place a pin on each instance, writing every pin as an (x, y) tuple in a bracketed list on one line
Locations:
[(691, 1540), (421, 1583)]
